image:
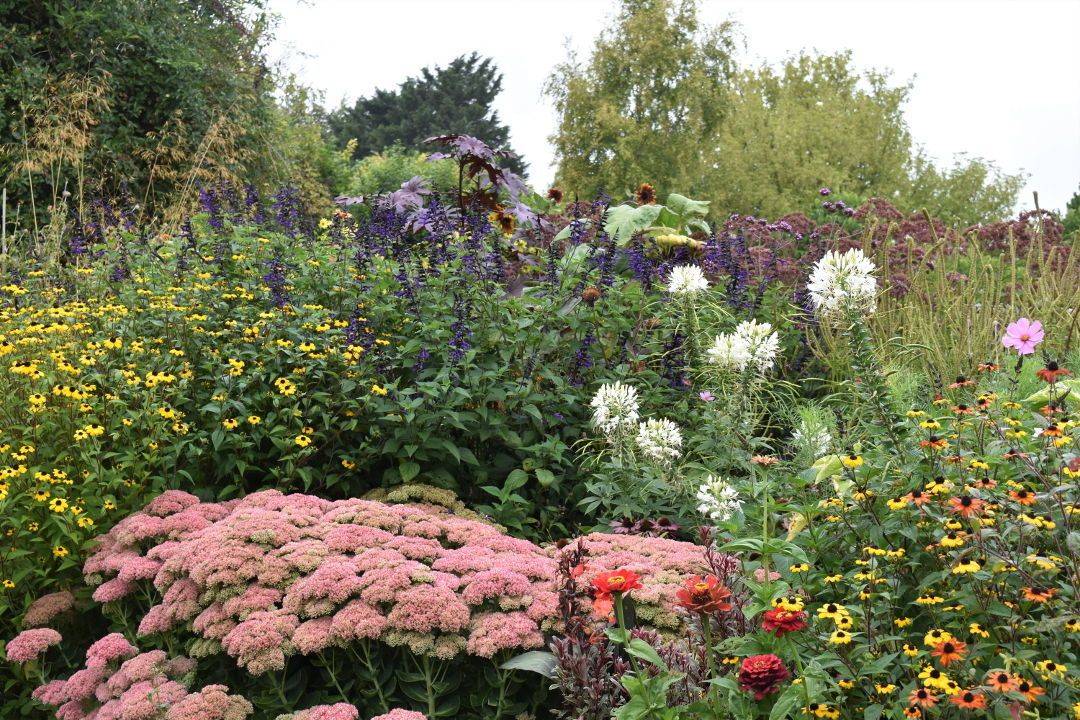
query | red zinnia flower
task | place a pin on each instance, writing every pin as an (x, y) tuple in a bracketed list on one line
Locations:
[(616, 581), (780, 621), (704, 595), (762, 674)]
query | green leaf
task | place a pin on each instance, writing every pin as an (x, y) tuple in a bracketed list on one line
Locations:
[(537, 661), (684, 206), (644, 651), (408, 470), (623, 221), (785, 704), (546, 477)]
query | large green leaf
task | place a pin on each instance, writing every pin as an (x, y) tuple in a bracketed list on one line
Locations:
[(537, 661), (685, 207), (623, 221)]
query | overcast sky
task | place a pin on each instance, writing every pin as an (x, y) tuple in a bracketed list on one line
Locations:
[(1000, 80)]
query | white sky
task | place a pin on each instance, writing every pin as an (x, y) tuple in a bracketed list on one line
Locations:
[(993, 78)]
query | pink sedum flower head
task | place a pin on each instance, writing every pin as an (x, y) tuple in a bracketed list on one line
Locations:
[(399, 714), (1023, 335), (31, 644)]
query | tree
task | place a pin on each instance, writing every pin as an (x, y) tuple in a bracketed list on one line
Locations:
[(661, 100), (1072, 214), (151, 96), (654, 91), (457, 98)]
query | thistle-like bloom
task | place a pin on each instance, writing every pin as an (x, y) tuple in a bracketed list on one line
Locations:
[(717, 500), (842, 282), (615, 407), (660, 440), (686, 280)]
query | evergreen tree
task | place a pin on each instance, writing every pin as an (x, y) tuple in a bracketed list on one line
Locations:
[(453, 99)]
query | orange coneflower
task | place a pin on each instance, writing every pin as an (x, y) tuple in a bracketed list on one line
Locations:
[(1052, 430), (969, 700), (986, 483), (960, 382), (1013, 454), (966, 506), (1000, 681), (1029, 691), (765, 460), (989, 367), (1048, 410), (1023, 496), (962, 409), (935, 442), (922, 697), (1051, 372), (1039, 595), (949, 652), (918, 498), (912, 712)]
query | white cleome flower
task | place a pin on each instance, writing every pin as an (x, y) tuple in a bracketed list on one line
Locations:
[(660, 440), (815, 440), (762, 342), (717, 500), (843, 282), (729, 351), (752, 344), (686, 280), (615, 407)]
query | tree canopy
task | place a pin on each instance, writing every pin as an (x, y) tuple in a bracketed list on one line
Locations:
[(661, 99), (457, 98)]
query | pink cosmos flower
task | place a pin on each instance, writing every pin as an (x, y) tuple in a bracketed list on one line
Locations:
[(1023, 335)]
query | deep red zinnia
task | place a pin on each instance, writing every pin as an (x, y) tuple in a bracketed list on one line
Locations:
[(704, 595), (762, 674), (780, 621)]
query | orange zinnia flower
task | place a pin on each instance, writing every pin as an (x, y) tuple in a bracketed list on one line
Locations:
[(704, 595), (616, 581), (969, 700), (949, 652), (966, 506), (922, 698)]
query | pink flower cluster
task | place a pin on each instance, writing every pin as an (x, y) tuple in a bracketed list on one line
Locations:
[(47, 607), (31, 644), (272, 575), (344, 711), (120, 683)]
